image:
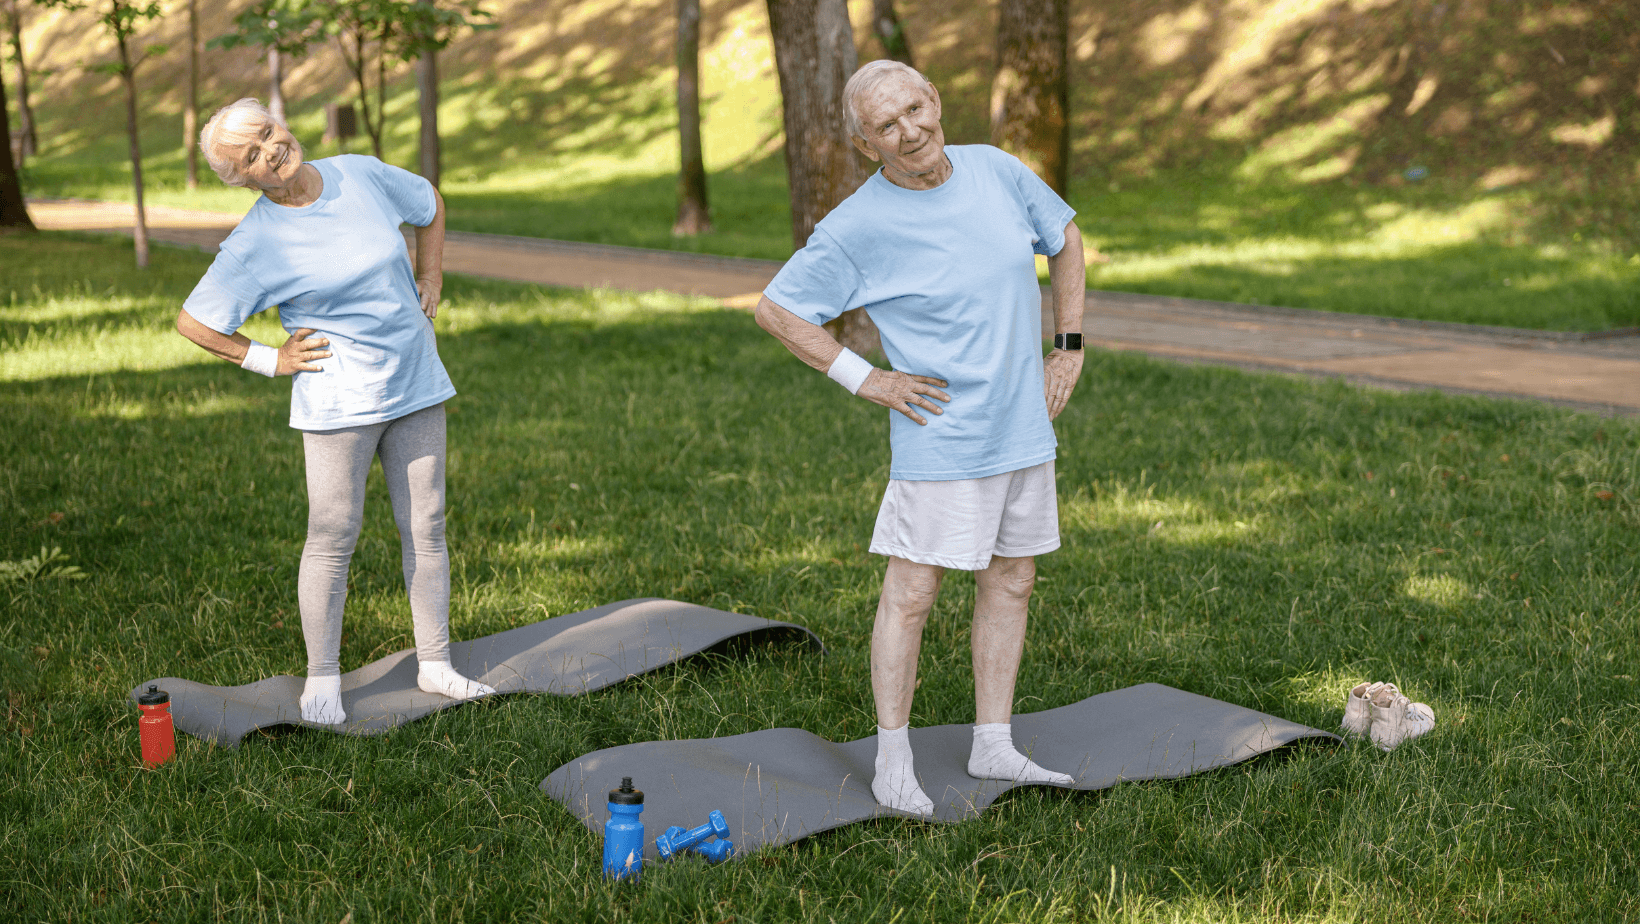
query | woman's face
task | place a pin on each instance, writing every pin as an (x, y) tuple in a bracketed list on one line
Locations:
[(270, 159)]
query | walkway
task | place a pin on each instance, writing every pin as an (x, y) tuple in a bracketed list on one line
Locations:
[(1597, 372)]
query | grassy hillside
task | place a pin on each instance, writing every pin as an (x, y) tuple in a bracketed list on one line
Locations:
[(1470, 161)]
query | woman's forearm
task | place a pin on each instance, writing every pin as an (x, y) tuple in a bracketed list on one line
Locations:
[(223, 346), (430, 247)]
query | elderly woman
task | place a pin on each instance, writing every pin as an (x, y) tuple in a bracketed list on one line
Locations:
[(323, 244)]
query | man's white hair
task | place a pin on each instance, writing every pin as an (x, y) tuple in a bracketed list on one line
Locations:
[(865, 80), (237, 123)]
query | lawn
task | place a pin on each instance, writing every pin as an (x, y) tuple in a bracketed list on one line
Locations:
[(1260, 539)]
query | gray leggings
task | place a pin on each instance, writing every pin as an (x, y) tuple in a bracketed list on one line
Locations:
[(412, 453)]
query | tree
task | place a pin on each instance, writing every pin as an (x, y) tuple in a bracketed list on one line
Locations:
[(364, 30), (693, 217), (122, 18), (285, 28), (814, 55), (424, 29), (13, 212), (1030, 98), (886, 23), (25, 114), (190, 114)]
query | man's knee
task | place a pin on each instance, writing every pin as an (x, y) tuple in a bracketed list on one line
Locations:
[(1011, 577), (910, 589)]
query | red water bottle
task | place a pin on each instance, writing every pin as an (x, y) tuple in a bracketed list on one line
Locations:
[(159, 736)]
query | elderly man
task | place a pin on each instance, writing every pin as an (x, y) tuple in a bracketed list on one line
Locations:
[(938, 247)]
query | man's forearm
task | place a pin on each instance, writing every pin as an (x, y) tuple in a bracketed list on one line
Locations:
[(808, 342), (1068, 277)]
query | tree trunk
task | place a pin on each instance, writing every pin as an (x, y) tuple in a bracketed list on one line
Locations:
[(357, 63), (276, 89), (381, 90), (190, 115), (128, 76), (25, 115), (427, 90), (13, 212), (814, 55), (886, 23), (693, 217), (1030, 98)]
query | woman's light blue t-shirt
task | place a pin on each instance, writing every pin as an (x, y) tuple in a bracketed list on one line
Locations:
[(339, 266), (949, 276)]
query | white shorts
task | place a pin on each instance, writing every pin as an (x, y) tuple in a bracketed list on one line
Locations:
[(961, 524)]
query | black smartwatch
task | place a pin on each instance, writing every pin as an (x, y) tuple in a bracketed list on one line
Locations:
[(1067, 341)]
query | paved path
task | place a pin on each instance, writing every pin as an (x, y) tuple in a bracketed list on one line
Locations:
[(1599, 373)]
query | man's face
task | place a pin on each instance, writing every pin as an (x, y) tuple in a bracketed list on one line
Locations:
[(270, 159), (901, 121)]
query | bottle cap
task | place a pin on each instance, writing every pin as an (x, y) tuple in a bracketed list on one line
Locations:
[(154, 697), (626, 795)]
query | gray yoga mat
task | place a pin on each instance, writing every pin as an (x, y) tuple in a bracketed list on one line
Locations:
[(565, 655), (784, 784)]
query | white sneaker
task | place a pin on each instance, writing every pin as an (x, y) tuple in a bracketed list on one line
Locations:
[(1395, 719), (1357, 708)]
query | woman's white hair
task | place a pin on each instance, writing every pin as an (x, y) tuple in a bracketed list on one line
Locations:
[(235, 124), (866, 79)]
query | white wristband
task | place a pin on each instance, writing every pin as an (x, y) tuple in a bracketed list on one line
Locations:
[(261, 358), (849, 370)]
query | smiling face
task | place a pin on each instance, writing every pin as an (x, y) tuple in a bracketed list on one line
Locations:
[(900, 118), (266, 154)]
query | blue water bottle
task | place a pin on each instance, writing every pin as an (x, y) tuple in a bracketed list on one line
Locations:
[(623, 833)]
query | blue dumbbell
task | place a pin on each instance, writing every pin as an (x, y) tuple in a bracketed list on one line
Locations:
[(669, 843), (714, 851)]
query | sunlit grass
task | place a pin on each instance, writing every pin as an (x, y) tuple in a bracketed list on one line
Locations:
[(1261, 540)]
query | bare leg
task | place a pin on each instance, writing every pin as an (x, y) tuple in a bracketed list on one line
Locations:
[(1002, 601), (909, 590)]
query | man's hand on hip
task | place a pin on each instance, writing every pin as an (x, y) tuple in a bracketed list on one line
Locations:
[(1060, 370), (904, 393)]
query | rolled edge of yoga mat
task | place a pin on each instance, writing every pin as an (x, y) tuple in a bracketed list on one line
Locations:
[(565, 655), (783, 784)]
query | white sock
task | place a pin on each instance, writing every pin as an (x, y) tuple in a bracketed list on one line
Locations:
[(896, 782), (322, 700), (439, 677), (994, 758)]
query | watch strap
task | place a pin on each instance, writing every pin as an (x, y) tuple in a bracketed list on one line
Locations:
[(1067, 341)]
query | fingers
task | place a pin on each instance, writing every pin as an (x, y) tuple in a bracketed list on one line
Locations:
[(916, 417)]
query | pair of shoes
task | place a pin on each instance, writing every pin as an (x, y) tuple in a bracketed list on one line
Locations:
[(1381, 712), (1358, 708)]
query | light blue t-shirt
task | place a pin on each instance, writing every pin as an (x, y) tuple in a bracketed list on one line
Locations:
[(949, 276), (339, 266)]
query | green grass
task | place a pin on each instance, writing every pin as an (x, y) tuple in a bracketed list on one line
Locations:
[(1263, 540)]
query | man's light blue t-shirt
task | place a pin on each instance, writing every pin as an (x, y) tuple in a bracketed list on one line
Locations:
[(949, 276), (339, 266)]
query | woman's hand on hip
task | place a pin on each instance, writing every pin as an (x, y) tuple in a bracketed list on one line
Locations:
[(904, 392), (299, 352), (429, 290)]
